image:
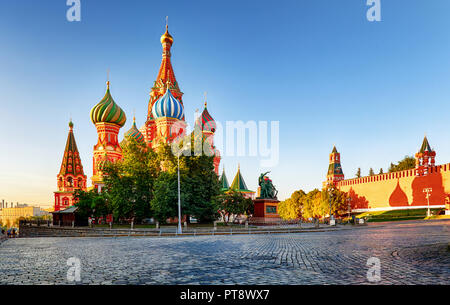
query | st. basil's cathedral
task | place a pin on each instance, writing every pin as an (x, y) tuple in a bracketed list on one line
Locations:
[(165, 123)]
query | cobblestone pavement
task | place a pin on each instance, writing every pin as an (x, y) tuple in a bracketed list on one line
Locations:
[(409, 252)]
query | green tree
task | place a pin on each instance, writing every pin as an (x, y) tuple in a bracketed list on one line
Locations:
[(381, 171), (129, 182), (338, 201), (358, 173), (408, 162), (199, 185), (165, 196), (232, 204), (91, 203), (371, 172), (310, 204), (291, 208)]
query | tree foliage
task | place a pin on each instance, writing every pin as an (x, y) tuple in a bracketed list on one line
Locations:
[(145, 184), (408, 162), (358, 173), (291, 208), (91, 203), (314, 204), (232, 204)]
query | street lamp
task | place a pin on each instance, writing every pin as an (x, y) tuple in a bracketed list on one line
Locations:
[(330, 190), (428, 190), (349, 200), (180, 231)]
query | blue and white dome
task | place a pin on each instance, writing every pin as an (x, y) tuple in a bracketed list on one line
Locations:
[(168, 106)]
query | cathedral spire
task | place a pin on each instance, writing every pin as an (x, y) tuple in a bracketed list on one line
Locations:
[(166, 76), (71, 175)]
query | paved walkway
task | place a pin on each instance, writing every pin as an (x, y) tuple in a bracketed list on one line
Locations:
[(409, 253)]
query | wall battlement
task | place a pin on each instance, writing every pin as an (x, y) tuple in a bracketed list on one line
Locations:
[(399, 190), (425, 185)]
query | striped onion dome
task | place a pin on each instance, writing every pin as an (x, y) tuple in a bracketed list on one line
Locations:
[(107, 111), (168, 106), (208, 123), (135, 133)]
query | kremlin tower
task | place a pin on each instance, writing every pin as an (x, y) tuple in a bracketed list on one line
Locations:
[(425, 158), (71, 176), (335, 173), (108, 118)]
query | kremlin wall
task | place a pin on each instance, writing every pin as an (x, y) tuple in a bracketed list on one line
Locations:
[(407, 189)]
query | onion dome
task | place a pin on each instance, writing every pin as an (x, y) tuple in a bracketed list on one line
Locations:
[(107, 111), (166, 37), (168, 106), (208, 123), (135, 133)]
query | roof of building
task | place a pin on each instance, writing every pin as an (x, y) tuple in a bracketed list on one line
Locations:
[(134, 132), (334, 150), (69, 210), (107, 111), (224, 181), (335, 169), (166, 73), (238, 183), (168, 106), (425, 146), (71, 162), (208, 123)]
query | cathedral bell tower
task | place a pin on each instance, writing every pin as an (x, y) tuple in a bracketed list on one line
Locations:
[(165, 81), (71, 176)]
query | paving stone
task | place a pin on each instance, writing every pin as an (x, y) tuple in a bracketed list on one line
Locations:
[(409, 253)]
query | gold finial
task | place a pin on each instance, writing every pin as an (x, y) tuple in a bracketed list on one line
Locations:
[(166, 36), (239, 166), (107, 78), (206, 94)]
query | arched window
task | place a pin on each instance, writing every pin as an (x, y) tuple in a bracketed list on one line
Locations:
[(70, 181)]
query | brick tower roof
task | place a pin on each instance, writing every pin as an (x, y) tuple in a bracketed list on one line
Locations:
[(71, 163)]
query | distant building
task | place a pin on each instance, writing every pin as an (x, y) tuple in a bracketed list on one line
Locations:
[(10, 216)]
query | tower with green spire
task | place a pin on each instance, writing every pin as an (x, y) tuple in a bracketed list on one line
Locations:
[(239, 185), (335, 173), (224, 186)]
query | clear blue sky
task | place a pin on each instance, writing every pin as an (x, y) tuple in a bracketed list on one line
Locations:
[(319, 67)]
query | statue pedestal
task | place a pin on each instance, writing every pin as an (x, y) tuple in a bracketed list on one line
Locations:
[(266, 211)]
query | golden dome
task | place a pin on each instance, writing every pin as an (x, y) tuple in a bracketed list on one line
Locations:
[(166, 37)]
